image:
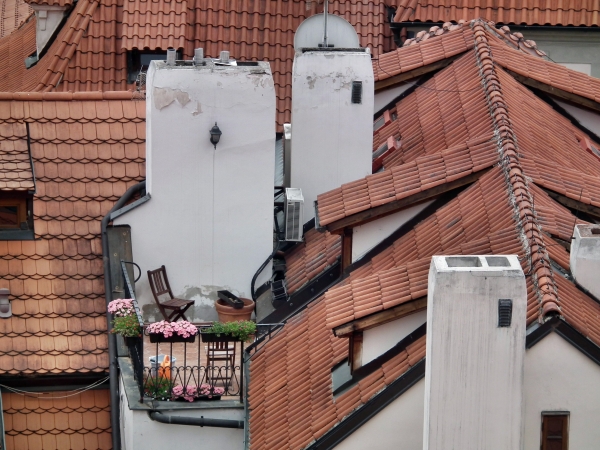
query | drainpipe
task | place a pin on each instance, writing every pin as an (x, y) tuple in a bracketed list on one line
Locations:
[(112, 339), (195, 421)]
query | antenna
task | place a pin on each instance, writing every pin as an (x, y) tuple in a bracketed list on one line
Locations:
[(325, 31)]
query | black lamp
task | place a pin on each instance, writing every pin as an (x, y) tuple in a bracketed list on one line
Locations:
[(215, 135)]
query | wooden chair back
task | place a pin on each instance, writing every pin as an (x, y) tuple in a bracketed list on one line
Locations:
[(159, 284)]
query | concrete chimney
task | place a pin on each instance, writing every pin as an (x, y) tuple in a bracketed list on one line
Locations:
[(476, 312), (332, 118), (210, 216), (585, 257)]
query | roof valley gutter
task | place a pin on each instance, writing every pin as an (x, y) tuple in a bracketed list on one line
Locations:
[(115, 422), (195, 421)]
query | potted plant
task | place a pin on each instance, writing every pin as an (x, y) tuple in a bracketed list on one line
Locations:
[(125, 320), (229, 331), (231, 308), (158, 388), (194, 393), (164, 331)]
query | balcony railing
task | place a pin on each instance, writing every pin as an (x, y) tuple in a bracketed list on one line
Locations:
[(191, 371)]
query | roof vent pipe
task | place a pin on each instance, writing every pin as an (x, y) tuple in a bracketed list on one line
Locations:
[(198, 56), (224, 58), (171, 57), (5, 309)]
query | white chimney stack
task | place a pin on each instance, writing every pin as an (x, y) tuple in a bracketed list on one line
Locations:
[(332, 118), (171, 56), (48, 18), (476, 313), (585, 257)]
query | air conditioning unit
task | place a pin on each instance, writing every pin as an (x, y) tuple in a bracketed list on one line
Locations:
[(294, 203)]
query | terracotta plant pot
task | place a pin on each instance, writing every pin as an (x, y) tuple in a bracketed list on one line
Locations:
[(229, 314)]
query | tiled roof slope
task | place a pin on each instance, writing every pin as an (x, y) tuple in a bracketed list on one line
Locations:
[(89, 54), (290, 395), (525, 12), (311, 257), (85, 154), (504, 211), (51, 2), (13, 14), (15, 167), (78, 422)]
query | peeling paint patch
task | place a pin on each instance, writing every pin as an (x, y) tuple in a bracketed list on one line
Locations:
[(198, 109), (163, 97)]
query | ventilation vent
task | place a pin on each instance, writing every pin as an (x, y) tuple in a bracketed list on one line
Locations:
[(294, 203), (357, 92), (504, 312)]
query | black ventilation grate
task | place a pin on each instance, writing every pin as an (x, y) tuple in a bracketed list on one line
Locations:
[(357, 92), (504, 312)]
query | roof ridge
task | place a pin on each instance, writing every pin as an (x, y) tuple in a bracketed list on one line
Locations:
[(525, 216)]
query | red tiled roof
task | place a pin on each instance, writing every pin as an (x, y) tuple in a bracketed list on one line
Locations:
[(525, 12), (310, 258), (86, 154), (14, 13), (402, 181), (290, 394), (15, 166), (504, 211), (78, 422), (89, 53)]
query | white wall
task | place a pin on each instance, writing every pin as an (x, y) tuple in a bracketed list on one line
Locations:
[(380, 339), (558, 377), (48, 18), (587, 118), (332, 138), (474, 369), (585, 257), (367, 236), (399, 426), (382, 98), (210, 218)]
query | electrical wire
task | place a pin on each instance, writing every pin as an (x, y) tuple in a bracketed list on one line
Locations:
[(43, 395)]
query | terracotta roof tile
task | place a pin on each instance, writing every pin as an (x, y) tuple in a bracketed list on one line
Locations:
[(14, 13), (56, 282), (527, 12), (77, 422)]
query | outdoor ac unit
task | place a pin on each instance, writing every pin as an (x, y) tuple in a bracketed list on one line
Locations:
[(294, 203)]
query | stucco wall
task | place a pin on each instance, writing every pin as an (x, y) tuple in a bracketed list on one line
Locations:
[(332, 138), (378, 340), (399, 426), (210, 218), (367, 236), (558, 377)]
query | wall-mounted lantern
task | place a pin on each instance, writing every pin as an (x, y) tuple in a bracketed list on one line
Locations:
[(5, 309), (215, 135)]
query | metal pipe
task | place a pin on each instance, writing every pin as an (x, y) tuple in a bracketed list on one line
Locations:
[(112, 338), (195, 421)]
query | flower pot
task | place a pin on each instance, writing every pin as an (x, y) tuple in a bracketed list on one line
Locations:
[(159, 337), (202, 398), (131, 341), (230, 314)]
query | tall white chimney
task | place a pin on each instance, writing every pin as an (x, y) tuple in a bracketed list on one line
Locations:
[(476, 312), (332, 119), (210, 216), (585, 257)]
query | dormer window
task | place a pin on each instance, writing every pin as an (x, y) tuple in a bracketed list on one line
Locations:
[(139, 60), (16, 218)]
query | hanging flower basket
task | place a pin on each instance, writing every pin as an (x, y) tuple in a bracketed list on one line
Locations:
[(212, 337), (164, 331), (131, 341)]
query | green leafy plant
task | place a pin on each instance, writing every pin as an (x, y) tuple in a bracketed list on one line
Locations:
[(158, 388), (127, 326), (241, 330)]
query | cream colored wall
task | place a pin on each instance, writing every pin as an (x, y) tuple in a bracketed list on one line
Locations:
[(558, 377), (399, 426)]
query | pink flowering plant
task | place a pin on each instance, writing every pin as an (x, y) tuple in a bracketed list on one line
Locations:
[(182, 328), (191, 393), (125, 320), (121, 307)]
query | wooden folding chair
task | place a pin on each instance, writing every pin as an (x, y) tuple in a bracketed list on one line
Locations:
[(220, 352), (171, 308)]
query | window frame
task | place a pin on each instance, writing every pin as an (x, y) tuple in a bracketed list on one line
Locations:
[(24, 229), (546, 415)]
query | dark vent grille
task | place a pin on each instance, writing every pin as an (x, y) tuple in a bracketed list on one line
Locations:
[(292, 221), (504, 312), (357, 92)]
